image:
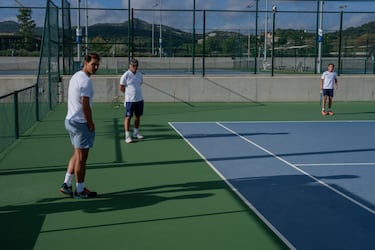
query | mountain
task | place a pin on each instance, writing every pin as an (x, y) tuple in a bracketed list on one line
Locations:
[(117, 33), (142, 29)]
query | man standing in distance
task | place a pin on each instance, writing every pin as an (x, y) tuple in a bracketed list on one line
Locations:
[(328, 82), (80, 125), (130, 84)]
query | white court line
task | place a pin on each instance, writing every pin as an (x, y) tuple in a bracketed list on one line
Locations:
[(335, 164), (247, 202), (301, 171)]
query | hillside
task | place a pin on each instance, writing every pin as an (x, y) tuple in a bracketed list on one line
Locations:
[(142, 32), (226, 42)]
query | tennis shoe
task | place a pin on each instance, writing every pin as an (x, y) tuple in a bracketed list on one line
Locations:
[(65, 189), (128, 139), (138, 136), (324, 113), (85, 194), (330, 113)]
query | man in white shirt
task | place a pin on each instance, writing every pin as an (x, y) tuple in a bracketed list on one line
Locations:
[(80, 125), (327, 83), (131, 85)]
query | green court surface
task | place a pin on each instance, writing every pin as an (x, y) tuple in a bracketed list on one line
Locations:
[(153, 194)]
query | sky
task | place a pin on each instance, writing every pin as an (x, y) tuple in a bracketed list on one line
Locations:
[(149, 10)]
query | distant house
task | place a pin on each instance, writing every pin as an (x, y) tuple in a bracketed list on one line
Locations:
[(9, 41)]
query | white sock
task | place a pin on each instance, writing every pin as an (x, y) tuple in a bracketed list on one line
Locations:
[(136, 131), (68, 179), (80, 186), (127, 134)]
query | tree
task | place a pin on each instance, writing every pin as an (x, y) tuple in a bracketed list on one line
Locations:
[(27, 29), (101, 46)]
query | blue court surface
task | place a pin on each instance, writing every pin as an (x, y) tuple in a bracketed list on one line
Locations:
[(312, 183)]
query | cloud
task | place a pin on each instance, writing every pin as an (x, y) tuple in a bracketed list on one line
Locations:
[(356, 19)]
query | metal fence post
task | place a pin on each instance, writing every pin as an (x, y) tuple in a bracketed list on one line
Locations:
[(193, 52), (16, 118), (204, 45), (340, 44), (37, 101)]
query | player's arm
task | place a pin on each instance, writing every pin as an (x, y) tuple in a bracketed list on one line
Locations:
[(122, 88), (86, 110), (321, 84), (122, 83)]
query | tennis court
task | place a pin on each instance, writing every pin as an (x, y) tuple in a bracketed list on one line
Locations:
[(312, 182), (160, 194)]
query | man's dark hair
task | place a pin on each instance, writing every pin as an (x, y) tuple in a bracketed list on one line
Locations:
[(92, 55)]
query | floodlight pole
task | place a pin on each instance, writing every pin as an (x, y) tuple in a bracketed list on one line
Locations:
[(249, 6), (274, 10), (340, 42), (193, 50), (79, 32), (256, 37), (129, 33), (320, 37), (342, 7), (153, 30), (86, 28), (160, 33), (265, 36)]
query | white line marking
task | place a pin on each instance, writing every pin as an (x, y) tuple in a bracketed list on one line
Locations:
[(335, 164), (247, 202), (265, 121), (301, 171)]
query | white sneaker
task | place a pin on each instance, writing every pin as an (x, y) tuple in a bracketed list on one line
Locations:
[(128, 139), (138, 136)]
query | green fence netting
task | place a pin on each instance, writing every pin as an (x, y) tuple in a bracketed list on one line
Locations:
[(7, 121), (48, 74)]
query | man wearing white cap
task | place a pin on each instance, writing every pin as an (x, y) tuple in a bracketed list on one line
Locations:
[(131, 85)]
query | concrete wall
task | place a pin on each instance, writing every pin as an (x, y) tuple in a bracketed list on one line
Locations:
[(235, 88), (9, 84), (254, 88)]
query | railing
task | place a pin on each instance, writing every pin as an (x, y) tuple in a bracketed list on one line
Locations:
[(19, 112)]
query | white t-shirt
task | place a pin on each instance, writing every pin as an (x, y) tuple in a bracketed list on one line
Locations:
[(132, 83), (329, 79), (79, 85)]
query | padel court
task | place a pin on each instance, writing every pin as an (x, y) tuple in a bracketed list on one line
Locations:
[(312, 183)]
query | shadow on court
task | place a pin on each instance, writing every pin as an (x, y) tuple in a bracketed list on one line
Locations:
[(310, 215), (28, 220)]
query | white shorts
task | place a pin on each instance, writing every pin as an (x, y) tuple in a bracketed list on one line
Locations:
[(80, 135)]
